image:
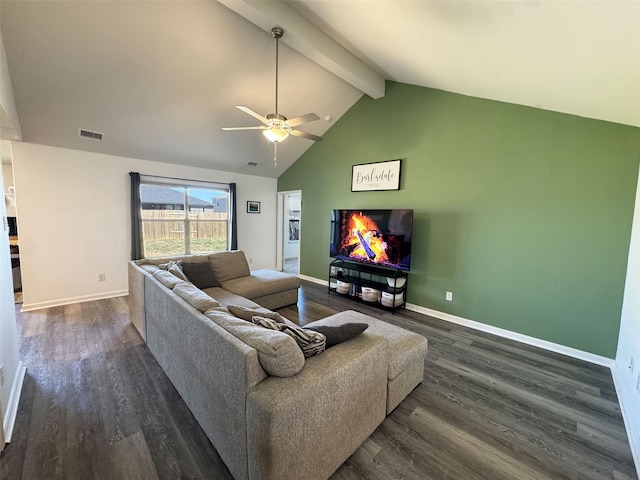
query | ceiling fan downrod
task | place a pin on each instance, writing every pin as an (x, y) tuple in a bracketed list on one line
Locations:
[(277, 33)]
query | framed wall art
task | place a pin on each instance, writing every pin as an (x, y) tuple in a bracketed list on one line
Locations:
[(376, 176), (253, 207)]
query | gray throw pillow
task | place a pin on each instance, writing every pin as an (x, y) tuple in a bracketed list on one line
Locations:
[(175, 268), (246, 313), (310, 342), (200, 274), (340, 333)]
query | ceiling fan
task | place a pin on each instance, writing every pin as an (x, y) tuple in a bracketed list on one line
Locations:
[(277, 127)]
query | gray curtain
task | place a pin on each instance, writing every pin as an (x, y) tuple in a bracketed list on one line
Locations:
[(234, 227), (136, 219)]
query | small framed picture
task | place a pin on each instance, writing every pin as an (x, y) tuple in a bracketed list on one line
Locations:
[(253, 207)]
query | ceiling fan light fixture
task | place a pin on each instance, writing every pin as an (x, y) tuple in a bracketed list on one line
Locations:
[(275, 134)]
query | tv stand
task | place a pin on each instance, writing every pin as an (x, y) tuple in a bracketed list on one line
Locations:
[(374, 285)]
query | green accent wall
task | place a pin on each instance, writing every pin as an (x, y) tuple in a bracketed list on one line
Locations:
[(524, 214)]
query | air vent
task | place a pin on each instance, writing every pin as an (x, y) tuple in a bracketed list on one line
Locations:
[(89, 134), (252, 164)]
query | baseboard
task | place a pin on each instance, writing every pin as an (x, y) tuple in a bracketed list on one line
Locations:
[(9, 420), (26, 307), (501, 332), (632, 426), (314, 280)]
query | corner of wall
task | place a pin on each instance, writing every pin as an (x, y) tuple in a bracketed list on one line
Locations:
[(631, 417), (10, 123)]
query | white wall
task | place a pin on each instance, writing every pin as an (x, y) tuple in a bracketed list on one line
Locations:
[(74, 220), (7, 175), (9, 357), (629, 340), (8, 112)]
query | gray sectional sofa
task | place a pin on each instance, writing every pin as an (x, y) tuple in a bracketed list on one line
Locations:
[(270, 412), (232, 282)]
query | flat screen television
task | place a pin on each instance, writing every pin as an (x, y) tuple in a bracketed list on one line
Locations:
[(375, 237)]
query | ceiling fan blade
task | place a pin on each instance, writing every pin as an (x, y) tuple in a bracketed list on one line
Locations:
[(300, 133), (252, 113), (309, 117), (244, 128)]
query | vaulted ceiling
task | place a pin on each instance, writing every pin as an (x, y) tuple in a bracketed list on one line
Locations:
[(159, 79)]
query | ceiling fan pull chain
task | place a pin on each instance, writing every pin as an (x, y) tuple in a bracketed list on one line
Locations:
[(275, 154)]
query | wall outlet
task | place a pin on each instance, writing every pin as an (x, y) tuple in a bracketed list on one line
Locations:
[(102, 277), (1, 375), (631, 364), (250, 260), (448, 296)]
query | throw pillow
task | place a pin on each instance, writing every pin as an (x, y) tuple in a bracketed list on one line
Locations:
[(195, 297), (229, 265), (246, 313), (175, 268), (310, 342), (200, 274), (340, 333)]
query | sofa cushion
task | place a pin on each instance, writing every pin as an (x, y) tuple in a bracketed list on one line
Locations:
[(145, 261), (261, 283), (310, 342), (166, 278), (229, 265), (227, 298), (339, 333), (194, 296), (200, 274), (405, 347), (278, 353), (247, 314), (150, 267)]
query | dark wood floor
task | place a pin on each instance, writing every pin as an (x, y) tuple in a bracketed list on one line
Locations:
[(96, 405)]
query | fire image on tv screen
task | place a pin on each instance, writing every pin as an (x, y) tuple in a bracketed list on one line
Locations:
[(376, 237)]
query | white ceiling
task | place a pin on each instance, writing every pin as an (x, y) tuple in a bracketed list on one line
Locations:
[(159, 79)]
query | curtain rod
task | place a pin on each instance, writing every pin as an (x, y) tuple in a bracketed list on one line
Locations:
[(170, 178), (182, 179)]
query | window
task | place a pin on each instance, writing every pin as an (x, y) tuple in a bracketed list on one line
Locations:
[(184, 217)]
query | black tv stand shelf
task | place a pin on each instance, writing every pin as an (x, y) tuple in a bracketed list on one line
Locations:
[(374, 285)]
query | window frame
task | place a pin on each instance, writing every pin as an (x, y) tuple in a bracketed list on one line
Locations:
[(185, 219)]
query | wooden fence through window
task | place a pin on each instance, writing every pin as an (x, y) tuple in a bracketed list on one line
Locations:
[(170, 224)]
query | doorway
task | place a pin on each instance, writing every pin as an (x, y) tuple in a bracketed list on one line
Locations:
[(11, 218), (289, 231)]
